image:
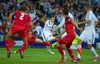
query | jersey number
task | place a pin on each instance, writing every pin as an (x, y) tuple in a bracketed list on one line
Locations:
[(21, 17)]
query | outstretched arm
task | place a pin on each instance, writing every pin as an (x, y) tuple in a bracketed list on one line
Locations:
[(10, 19), (84, 22)]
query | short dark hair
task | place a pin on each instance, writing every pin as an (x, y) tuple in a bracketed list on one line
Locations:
[(65, 9), (88, 6), (52, 16), (23, 8)]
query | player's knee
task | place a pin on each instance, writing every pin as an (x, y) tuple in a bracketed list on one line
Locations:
[(79, 41), (57, 44), (89, 46)]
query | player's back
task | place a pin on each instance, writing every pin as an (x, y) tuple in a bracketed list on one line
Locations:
[(22, 18), (69, 27)]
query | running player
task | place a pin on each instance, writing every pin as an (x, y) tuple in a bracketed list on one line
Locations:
[(67, 39), (33, 39), (47, 34), (21, 22), (75, 41), (88, 35)]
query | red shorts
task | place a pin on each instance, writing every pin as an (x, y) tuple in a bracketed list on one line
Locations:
[(67, 40), (18, 29), (31, 39)]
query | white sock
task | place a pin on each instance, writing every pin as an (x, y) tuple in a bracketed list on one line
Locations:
[(48, 49), (93, 51), (79, 45), (79, 56), (73, 47), (64, 54)]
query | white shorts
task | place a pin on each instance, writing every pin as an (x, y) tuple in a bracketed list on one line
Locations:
[(87, 36), (64, 34), (47, 36)]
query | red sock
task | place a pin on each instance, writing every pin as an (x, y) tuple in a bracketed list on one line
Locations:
[(7, 45), (18, 50), (46, 43), (60, 49), (12, 43), (24, 46), (71, 53)]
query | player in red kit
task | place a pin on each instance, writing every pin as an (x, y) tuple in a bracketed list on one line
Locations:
[(67, 40), (32, 39), (22, 20)]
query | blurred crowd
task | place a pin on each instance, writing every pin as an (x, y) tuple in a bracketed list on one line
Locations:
[(46, 8)]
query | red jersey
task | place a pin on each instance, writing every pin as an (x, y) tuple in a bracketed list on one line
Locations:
[(69, 27), (22, 19)]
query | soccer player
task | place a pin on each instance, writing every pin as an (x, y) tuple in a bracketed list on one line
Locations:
[(22, 20), (47, 34), (88, 35), (75, 41), (67, 40), (32, 39)]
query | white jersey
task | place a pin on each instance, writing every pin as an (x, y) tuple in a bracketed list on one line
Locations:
[(63, 20), (90, 16), (47, 33), (48, 25), (88, 35)]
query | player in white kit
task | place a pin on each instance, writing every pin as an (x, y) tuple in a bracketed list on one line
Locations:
[(47, 34), (88, 35)]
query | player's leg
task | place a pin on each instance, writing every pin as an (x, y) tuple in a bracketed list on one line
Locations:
[(41, 41), (96, 56), (47, 37), (74, 47), (23, 35), (60, 49), (79, 49), (82, 38), (90, 41), (8, 43), (70, 52), (64, 50)]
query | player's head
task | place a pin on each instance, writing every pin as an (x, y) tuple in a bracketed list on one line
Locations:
[(87, 7), (52, 18), (24, 8), (65, 9)]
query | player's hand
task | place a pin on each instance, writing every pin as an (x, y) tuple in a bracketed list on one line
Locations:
[(37, 17), (80, 29), (9, 25)]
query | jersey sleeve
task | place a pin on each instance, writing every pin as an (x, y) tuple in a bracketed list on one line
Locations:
[(89, 16), (48, 23), (95, 19), (29, 19), (62, 23)]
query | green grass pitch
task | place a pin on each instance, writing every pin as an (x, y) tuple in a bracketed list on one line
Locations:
[(41, 56)]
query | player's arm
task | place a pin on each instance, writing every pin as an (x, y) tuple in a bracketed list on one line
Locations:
[(61, 24), (30, 25), (10, 19), (75, 24), (48, 24), (84, 22), (97, 22), (35, 20), (61, 33)]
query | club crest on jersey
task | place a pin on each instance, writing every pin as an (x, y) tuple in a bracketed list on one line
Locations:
[(67, 19)]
